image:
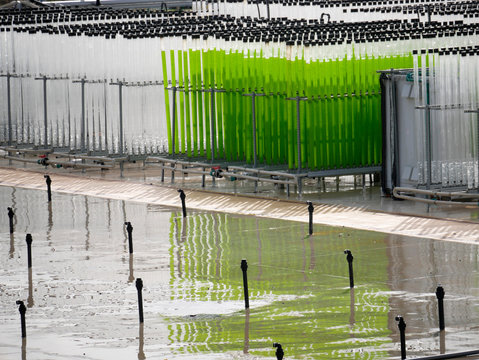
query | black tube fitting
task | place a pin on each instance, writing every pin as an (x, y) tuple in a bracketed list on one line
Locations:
[(139, 287), (29, 240), (129, 229), (22, 309), (310, 210), (49, 188), (279, 351), (350, 258), (402, 335), (183, 204), (440, 305), (244, 267), (11, 214)]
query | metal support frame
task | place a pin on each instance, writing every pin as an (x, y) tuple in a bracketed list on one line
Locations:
[(253, 104), (212, 91), (85, 147), (173, 122), (45, 78), (298, 124), (477, 134)]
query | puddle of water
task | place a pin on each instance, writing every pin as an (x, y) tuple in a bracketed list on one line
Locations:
[(82, 301)]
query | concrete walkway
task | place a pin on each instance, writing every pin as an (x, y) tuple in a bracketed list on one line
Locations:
[(335, 215)]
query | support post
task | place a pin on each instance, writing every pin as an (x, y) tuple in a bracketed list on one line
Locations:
[(45, 115), (120, 97), (83, 137), (173, 123), (9, 109), (244, 268)]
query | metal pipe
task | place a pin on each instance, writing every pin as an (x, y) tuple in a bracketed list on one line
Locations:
[(173, 128), (255, 155), (82, 136), (45, 116), (428, 143), (396, 194), (9, 107), (120, 93), (298, 130), (212, 125)]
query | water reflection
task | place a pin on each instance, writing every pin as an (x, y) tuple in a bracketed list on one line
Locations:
[(291, 282), (87, 227), (246, 331), (131, 277), (442, 341), (11, 252), (141, 353), (24, 348), (299, 290), (30, 289), (352, 313)]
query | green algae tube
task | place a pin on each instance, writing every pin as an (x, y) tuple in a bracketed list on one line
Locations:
[(173, 83), (187, 103), (181, 84)]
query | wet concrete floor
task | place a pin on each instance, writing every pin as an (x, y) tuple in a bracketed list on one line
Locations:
[(82, 301)]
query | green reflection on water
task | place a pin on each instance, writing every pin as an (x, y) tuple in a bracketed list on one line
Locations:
[(299, 287)]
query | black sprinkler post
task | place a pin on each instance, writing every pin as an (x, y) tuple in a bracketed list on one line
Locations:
[(22, 309), (29, 249), (129, 229), (139, 286), (244, 267), (402, 335), (310, 210), (49, 186), (11, 214), (279, 351), (440, 305), (350, 258), (183, 204)]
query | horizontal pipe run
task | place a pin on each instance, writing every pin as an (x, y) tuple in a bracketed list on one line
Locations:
[(437, 193), (85, 157), (263, 172), (254, 178), (236, 175), (179, 162), (80, 165), (450, 356), (27, 151), (63, 163), (432, 201), (32, 161)]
